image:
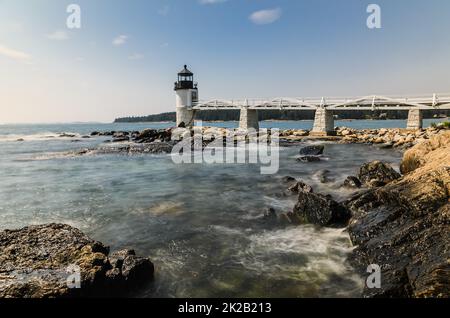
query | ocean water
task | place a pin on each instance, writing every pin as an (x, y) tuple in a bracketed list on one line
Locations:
[(201, 225)]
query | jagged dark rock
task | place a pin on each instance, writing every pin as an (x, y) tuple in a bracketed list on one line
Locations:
[(315, 150), (377, 174), (129, 270), (317, 209), (300, 187)]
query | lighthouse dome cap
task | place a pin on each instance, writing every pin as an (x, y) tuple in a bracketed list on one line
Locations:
[(185, 72)]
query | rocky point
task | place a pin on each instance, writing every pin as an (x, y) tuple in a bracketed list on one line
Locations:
[(59, 261)]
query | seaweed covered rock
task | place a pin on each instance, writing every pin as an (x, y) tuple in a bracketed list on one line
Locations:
[(57, 260), (377, 173)]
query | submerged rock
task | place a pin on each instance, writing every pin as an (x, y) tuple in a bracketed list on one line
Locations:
[(377, 173), (324, 176), (47, 260), (66, 135), (270, 215), (308, 159), (288, 179)]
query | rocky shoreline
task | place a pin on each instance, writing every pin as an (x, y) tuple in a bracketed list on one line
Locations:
[(162, 141), (156, 141), (399, 223)]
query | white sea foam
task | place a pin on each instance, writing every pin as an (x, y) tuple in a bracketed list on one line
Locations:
[(55, 155), (323, 251), (42, 136)]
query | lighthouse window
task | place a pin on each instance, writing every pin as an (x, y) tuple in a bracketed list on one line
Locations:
[(185, 78)]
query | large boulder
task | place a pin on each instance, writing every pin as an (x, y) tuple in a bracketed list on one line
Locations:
[(47, 260), (319, 209), (404, 227), (315, 150), (418, 155), (377, 173)]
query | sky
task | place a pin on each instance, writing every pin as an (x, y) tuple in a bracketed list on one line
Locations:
[(124, 59)]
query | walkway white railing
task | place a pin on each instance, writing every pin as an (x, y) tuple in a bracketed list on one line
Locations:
[(432, 101)]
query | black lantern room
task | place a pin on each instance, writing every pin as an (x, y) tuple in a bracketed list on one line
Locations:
[(185, 79)]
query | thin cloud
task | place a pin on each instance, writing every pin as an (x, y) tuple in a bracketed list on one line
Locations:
[(120, 40), (164, 45), (14, 54), (58, 36), (266, 16)]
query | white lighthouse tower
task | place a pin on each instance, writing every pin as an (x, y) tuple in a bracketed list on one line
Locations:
[(187, 95)]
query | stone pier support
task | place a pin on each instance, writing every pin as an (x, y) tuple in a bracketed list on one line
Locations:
[(415, 119), (185, 117), (323, 123), (249, 119)]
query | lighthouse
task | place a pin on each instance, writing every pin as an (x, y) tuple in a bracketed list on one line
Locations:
[(186, 97)]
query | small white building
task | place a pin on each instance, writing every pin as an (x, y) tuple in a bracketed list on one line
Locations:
[(186, 97)]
